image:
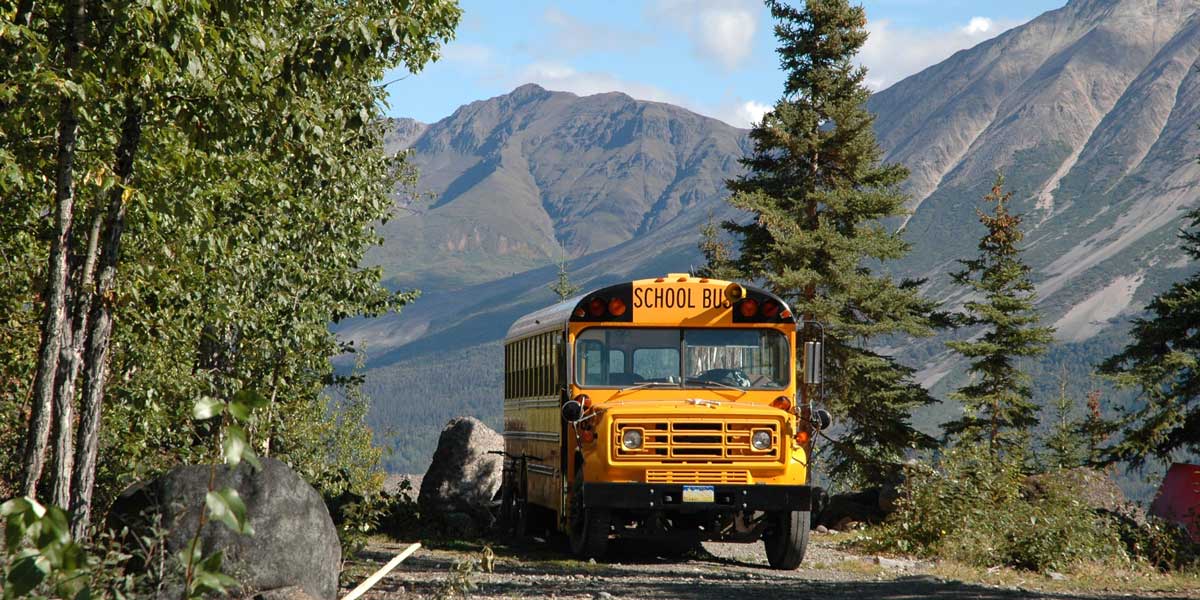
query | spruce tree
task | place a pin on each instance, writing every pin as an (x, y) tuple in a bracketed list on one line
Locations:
[(563, 288), (1066, 443), (1163, 364), (819, 195), (998, 401)]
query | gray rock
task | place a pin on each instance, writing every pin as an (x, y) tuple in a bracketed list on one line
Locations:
[(463, 477), (294, 544), (1056, 576), (460, 525)]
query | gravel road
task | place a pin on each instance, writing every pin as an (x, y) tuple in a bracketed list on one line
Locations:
[(723, 572)]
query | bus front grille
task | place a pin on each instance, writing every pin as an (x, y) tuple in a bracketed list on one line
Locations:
[(692, 440), (710, 477)]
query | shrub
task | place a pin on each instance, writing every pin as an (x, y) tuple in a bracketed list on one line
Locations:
[(971, 507)]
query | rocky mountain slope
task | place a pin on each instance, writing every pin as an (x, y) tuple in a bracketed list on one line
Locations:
[(1091, 111)]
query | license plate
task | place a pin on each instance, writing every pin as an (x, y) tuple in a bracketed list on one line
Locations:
[(698, 493)]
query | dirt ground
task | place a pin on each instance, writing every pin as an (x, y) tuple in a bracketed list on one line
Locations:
[(720, 572)]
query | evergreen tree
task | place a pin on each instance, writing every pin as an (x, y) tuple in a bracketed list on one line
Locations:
[(819, 195), (718, 256), (1163, 364), (1066, 441), (563, 287), (998, 401)]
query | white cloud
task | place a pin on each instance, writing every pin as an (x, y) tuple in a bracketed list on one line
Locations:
[(978, 25), (893, 53), (751, 113), (720, 31), (725, 35)]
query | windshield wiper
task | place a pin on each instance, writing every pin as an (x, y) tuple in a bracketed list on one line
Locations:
[(638, 386), (708, 382)]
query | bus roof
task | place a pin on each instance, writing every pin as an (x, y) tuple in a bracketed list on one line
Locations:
[(558, 315)]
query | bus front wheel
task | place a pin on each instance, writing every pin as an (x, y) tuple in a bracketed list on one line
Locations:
[(786, 539), (589, 526)]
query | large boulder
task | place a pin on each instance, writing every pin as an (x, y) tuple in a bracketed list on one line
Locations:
[(463, 477), (294, 544)]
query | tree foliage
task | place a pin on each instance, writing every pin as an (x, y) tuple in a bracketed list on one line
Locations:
[(998, 402), (226, 170), (819, 195), (1163, 364), (563, 288)]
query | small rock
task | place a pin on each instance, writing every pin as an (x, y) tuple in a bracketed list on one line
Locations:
[(892, 563), (822, 529), (1056, 576), (591, 561), (604, 596)]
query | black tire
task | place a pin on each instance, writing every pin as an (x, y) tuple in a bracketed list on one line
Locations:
[(786, 539), (590, 527)]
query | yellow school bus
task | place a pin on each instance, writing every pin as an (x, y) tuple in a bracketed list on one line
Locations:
[(661, 408)]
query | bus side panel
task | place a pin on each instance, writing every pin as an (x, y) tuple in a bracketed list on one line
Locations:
[(532, 430)]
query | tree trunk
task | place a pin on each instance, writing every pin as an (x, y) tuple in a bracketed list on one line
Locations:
[(99, 331), (38, 436), (70, 357)]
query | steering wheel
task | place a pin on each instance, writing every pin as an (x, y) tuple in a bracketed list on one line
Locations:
[(735, 377)]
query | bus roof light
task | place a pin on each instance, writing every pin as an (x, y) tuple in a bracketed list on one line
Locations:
[(596, 307), (734, 292), (748, 308), (770, 309), (616, 307)]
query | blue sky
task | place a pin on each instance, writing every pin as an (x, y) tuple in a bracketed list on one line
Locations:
[(715, 57)]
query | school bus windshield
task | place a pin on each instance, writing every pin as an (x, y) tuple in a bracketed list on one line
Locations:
[(634, 356)]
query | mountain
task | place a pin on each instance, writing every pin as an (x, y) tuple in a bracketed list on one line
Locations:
[(517, 181), (1091, 111)]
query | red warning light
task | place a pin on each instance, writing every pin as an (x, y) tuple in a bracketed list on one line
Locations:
[(748, 308), (616, 307), (770, 309), (596, 307)]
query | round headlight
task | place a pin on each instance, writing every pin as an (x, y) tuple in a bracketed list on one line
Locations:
[(632, 439), (761, 440)]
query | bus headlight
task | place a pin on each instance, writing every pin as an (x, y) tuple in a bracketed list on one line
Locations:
[(632, 439), (761, 440)]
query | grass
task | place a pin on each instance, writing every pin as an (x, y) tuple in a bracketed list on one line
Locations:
[(1086, 577)]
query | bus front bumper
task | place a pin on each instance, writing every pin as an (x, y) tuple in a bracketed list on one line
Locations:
[(686, 497)]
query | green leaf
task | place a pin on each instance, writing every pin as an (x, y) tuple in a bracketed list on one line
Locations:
[(25, 574), (238, 410), (226, 506), (234, 446), (206, 408), (21, 505), (251, 398)]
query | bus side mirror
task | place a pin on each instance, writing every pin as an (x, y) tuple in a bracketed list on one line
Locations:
[(572, 411), (814, 362), (822, 419)]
